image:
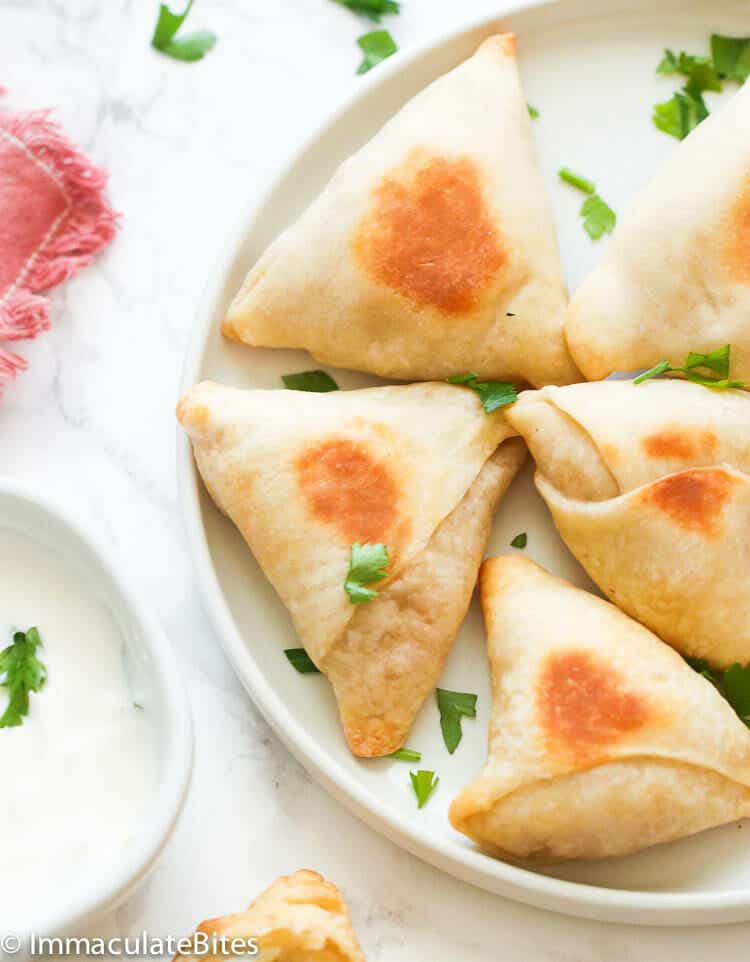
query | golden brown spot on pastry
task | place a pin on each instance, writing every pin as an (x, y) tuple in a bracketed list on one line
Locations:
[(430, 235), (737, 242), (344, 485), (693, 499), (584, 705), (503, 43), (192, 415), (679, 445)]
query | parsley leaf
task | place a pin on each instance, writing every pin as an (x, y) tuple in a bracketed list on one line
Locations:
[(452, 705), (376, 46), (298, 658), (700, 72), (661, 368), (520, 540), (372, 9), (406, 755), (424, 784), (731, 56), (492, 394), (317, 381), (367, 567), (678, 116), (576, 180), (22, 673), (717, 361), (533, 112), (598, 217), (733, 684), (191, 46)]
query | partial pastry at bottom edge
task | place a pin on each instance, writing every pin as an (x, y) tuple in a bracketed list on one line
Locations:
[(299, 918)]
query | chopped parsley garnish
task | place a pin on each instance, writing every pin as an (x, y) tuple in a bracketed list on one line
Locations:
[(731, 56), (716, 361), (733, 684), (372, 9), (190, 46), (367, 567), (21, 672), (492, 394), (678, 116), (452, 705), (317, 381), (424, 784), (520, 540), (576, 180), (729, 60), (406, 755), (376, 47), (598, 216), (298, 658), (700, 72), (533, 112)]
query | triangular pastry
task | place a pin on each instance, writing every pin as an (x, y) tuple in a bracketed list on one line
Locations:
[(299, 918), (602, 739), (417, 468), (649, 486), (431, 252), (675, 276)]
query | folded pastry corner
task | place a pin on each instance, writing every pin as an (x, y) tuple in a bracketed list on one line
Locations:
[(675, 276), (649, 486), (300, 916), (416, 469), (431, 252), (602, 739)]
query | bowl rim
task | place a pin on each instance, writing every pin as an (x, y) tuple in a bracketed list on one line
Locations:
[(636, 907), (111, 886)]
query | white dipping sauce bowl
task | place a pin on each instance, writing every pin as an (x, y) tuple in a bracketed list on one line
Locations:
[(157, 678)]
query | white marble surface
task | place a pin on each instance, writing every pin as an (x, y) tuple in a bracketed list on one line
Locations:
[(92, 422)]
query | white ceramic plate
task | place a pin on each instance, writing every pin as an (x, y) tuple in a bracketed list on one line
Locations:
[(154, 674), (590, 70)]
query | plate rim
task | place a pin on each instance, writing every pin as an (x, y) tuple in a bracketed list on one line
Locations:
[(600, 903)]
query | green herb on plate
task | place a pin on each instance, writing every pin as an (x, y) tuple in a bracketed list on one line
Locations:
[(424, 784), (598, 216), (298, 658), (492, 394), (678, 116), (452, 705), (188, 47), (520, 540), (533, 112), (406, 755), (317, 381), (576, 180), (731, 57), (367, 567), (21, 673), (733, 683), (699, 72), (716, 361), (376, 47), (372, 9)]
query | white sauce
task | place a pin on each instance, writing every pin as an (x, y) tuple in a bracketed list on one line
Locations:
[(76, 776)]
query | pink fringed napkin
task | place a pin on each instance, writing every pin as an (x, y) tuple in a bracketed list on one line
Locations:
[(53, 221)]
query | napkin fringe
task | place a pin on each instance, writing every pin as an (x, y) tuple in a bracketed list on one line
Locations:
[(89, 223), (10, 365), (82, 230)]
